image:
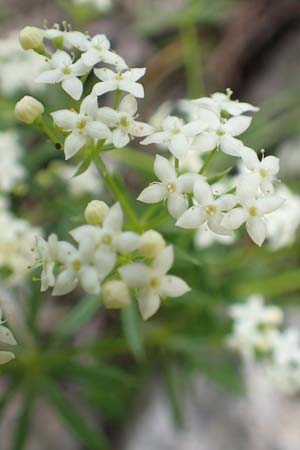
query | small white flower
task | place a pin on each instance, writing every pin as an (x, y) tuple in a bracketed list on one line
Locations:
[(207, 210), (252, 209), (83, 126), (266, 169), (220, 133), (65, 72), (153, 281), (176, 135), (170, 188), (124, 81), (98, 50), (221, 102), (122, 122), (70, 39)]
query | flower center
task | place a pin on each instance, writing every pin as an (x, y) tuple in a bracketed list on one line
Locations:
[(220, 132), (171, 187), (81, 125), (124, 122), (253, 211), (175, 131), (76, 265), (66, 71), (211, 209), (119, 77), (263, 173), (106, 239), (154, 283)]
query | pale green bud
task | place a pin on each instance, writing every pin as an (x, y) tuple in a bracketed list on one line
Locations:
[(151, 244), (95, 212), (28, 109), (31, 38), (115, 294)]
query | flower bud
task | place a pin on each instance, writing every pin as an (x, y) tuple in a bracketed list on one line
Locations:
[(28, 109), (151, 244), (31, 38), (115, 294), (95, 212)]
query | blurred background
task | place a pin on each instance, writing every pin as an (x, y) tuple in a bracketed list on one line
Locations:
[(103, 380)]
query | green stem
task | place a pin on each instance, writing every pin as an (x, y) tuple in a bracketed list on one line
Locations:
[(207, 161), (118, 194), (177, 166), (117, 98), (191, 59), (51, 135)]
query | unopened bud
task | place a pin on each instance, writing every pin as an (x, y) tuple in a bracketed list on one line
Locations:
[(95, 212), (151, 244), (28, 109), (31, 38), (115, 294)]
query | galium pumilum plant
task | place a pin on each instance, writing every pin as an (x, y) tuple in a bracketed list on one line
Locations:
[(117, 255)]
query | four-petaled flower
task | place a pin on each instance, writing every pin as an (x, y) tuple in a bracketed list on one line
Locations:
[(221, 102), (65, 72), (98, 50), (123, 81), (153, 281)]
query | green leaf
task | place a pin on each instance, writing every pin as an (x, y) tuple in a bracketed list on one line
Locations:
[(78, 317), (132, 330), (83, 167), (22, 428), (92, 439), (173, 390)]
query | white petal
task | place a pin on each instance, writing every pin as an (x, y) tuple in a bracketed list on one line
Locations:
[(127, 242), (234, 219), (179, 145), (171, 286), (73, 143), (177, 204), (91, 57), (214, 224), (193, 128), (135, 274), (104, 86), (104, 74), (65, 283), (257, 230), (247, 188), (78, 40), (49, 76), (5, 357), (133, 88), (73, 87), (128, 105), (269, 204), (226, 202), (149, 303), (108, 115), (154, 193), (164, 169), (120, 138), (113, 58), (267, 186), (271, 164), (155, 138), (230, 145), (89, 280), (60, 59), (186, 182), (164, 261), (113, 221), (65, 119), (79, 68), (205, 142), (209, 117), (250, 158), (140, 129), (236, 108), (97, 130), (6, 336), (104, 261), (89, 105), (237, 125), (84, 231), (193, 218), (203, 192), (134, 74)]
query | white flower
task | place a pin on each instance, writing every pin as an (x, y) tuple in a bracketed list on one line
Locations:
[(207, 210), (220, 102), (98, 50), (109, 237), (83, 126), (11, 169), (64, 71), (283, 224), (49, 253), (254, 325), (153, 281), (122, 122), (6, 337), (176, 135), (124, 81), (266, 169), (204, 238), (252, 209), (170, 187), (69, 39), (220, 133)]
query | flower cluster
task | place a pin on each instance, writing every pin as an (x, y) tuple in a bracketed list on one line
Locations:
[(213, 124), (110, 261), (256, 335), (6, 338)]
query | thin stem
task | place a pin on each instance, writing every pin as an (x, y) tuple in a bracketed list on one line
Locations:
[(207, 161), (177, 166), (51, 135), (117, 98), (118, 194)]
